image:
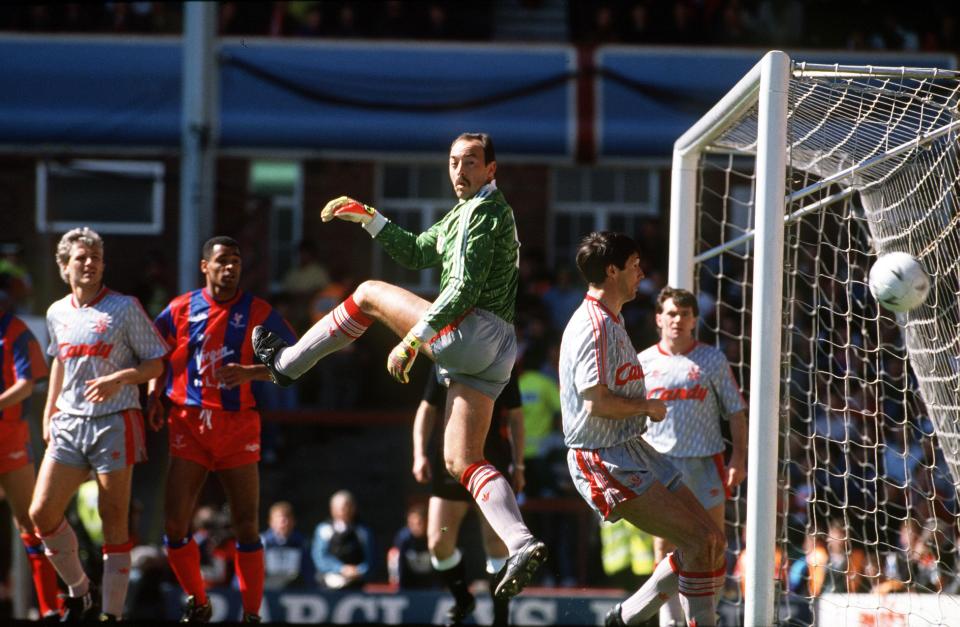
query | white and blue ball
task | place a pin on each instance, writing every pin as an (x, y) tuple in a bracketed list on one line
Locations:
[(899, 282)]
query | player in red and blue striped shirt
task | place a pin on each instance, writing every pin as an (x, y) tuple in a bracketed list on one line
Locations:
[(22, 365), (214, 424)]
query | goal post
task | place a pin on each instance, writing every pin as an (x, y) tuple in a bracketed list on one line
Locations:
[(782, 195), (765, 86)]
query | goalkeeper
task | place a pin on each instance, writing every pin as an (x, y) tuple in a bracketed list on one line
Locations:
[(467, 330)]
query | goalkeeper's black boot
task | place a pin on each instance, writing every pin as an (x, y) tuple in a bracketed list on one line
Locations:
[(266, 346), (520, 568)]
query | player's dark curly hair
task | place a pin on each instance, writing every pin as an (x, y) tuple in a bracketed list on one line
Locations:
[(218, 240), (681, 298), (601, 249), (489, 154)]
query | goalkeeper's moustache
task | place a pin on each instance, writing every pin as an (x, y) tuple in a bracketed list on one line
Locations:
[(347, 208)]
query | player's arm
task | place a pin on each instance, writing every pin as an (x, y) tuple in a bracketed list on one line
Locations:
[(460, 293), (103, 388), (16, 393), (737, 469), (234, 374), (518, 441), (53, 393), (423, 425), (28, 365), (600, 401), (404, 247)]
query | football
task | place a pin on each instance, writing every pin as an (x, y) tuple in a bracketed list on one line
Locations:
[(899, 282)]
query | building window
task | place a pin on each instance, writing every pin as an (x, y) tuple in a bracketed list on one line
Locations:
[(122, 197), (281, 183), (597, 199), (414, 196)]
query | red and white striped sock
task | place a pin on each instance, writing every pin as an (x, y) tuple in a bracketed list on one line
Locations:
[(497, 502), (116, 577), (60, 546), (698, 595), (335, 330), (655, 591)]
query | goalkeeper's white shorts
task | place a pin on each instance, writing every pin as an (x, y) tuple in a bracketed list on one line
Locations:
[(478, 351)]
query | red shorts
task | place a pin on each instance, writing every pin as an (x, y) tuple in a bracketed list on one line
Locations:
[(15, 449), (215, 438)]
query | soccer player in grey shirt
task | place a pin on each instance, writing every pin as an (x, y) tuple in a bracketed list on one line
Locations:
[(698, 386), (103, 345), (467, 330), (605, 411)]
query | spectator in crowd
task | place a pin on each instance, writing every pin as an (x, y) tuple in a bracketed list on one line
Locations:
[(540, 395), (286, 553), (831, 564), (408, 560), (343, 549), (303, 281)]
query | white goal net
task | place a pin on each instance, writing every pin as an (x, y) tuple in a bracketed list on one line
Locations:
[(784, 196)]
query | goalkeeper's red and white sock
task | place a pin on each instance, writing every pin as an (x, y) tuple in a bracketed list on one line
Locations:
[(655, 591), (498, 504), (337, 329)]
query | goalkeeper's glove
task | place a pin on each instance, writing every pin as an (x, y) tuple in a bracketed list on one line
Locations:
[(401, 358), (347, 208)]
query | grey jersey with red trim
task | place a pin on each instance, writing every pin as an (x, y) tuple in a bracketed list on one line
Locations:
[(111, 333), (596, 350), (699, 389)]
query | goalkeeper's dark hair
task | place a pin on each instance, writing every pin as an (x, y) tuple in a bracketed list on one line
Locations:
[(489, 154), (681, 298), (599, 250), (218, 240)]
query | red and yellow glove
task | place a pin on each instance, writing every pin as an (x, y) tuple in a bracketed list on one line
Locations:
[(348, 209), (401, 358)]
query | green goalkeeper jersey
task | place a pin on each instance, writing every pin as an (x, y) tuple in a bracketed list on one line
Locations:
[(477, 248)]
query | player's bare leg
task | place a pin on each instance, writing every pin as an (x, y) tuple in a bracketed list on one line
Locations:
[(394, 306), (114, 506), (469, 412), (242, 487), (56, 485), (443, 529), (185, 479), (680, 519), (18, 487), (671, 613)]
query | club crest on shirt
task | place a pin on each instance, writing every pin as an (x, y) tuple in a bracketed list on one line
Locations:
[(236, 321), (694, 373), (101, 323)]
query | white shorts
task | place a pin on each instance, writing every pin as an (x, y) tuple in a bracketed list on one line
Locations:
[(704, 477), (103, 443), (607, 477), (478, 351)]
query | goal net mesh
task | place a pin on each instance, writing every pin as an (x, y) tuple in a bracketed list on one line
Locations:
[(869, 461)]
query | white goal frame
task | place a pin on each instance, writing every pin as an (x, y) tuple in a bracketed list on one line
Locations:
[(767, 82), (765, 87)]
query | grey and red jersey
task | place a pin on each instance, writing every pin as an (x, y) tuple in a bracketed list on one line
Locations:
[(596, 350), (699, 389), (110, 333)]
